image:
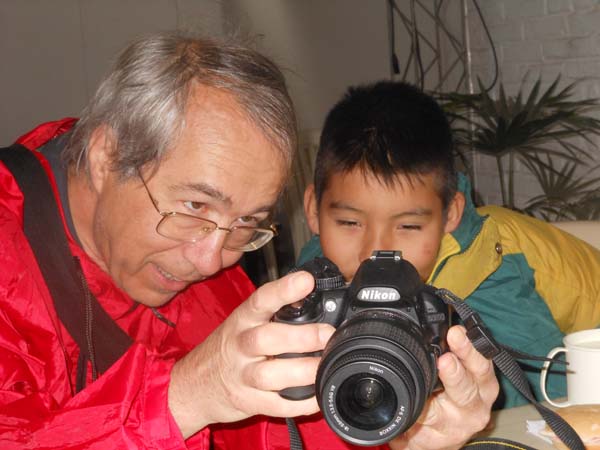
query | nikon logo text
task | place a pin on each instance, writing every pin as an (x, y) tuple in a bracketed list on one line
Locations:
[(380, 294)]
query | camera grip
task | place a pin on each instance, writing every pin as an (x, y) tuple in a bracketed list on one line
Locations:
[(298, 392)]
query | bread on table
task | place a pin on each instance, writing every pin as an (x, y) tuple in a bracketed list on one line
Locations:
[(585, 419)]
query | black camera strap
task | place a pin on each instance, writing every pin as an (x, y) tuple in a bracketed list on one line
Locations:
[(101, 341), (295, 439), (495, 444), (505, 359)]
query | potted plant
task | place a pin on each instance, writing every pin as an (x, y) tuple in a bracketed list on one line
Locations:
[(544, 130)]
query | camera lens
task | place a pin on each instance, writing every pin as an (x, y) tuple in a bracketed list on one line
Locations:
[(368, 393), (374, 377), (367, 401)]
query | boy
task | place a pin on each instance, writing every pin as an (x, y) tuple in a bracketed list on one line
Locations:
[(385, 180)]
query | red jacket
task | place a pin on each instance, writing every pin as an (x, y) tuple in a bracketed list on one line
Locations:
[(126, 408)]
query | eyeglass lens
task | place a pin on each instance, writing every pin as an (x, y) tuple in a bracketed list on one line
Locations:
[(187, 228)]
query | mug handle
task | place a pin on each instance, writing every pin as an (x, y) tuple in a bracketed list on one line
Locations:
[(544, 373)]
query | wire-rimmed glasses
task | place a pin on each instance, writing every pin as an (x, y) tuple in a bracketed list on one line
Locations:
[(187, 228)]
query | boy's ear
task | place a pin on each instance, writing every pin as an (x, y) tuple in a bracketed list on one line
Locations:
[(455, 212), (100, 148), (311, 209)]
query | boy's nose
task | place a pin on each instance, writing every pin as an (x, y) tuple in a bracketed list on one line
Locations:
[(206, 254)]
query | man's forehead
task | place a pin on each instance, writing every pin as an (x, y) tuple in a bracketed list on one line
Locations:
[(202, 188), (212, 192), (221, 102)]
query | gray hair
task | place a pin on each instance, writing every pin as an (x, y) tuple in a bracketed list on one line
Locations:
[(142, 100)]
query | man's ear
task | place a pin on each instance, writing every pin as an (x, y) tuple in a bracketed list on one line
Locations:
[(100, 148), (311, 209), (455, 212)]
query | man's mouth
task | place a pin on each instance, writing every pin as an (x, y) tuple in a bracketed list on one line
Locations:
[(167, 275)]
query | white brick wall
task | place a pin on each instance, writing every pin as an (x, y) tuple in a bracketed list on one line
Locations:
[(534, 38)]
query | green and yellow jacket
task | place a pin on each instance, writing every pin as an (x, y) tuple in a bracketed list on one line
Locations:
[(530, 282)]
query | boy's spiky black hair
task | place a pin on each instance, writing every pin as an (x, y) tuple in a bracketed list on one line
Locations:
[(387, 129)]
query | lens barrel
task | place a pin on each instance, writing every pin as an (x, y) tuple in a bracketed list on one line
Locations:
[(375, 375)]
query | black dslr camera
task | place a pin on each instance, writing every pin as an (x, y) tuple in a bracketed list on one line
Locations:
[(379, 367)]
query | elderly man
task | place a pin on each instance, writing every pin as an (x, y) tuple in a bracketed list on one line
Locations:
[(168, 176)]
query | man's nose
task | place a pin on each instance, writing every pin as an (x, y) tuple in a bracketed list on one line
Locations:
[(207, 254)]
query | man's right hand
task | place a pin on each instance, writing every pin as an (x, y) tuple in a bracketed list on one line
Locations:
[(232, 375)]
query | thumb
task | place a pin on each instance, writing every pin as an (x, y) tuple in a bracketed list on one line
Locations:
[(269, 298)]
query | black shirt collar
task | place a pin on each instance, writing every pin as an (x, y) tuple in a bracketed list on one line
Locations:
[(52, 152)]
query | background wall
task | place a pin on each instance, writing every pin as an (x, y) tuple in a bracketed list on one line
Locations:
[(55, 52), (534, 38)]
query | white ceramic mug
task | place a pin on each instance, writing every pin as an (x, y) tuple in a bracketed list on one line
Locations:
[(582, 350)]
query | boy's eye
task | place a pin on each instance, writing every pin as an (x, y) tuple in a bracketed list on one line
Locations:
[(410, 227), (347, 223)]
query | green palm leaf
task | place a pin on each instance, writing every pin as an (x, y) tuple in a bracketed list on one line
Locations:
[(531, 127)]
